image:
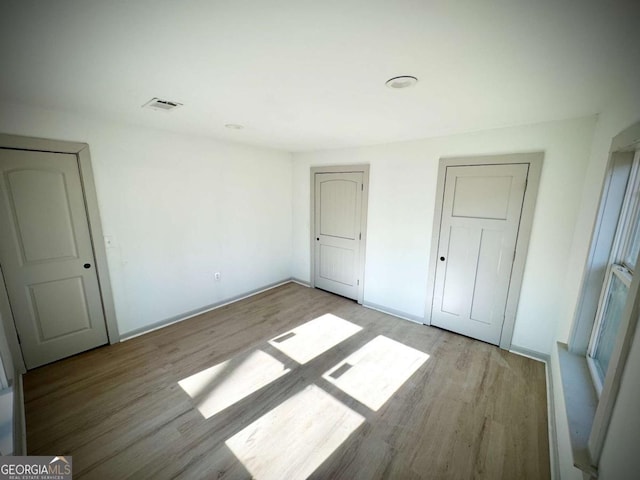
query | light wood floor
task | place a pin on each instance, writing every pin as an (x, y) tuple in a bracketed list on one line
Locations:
[(470, 410)]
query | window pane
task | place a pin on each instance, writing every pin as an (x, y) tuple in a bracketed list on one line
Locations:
[(616, 298), (633, 247)]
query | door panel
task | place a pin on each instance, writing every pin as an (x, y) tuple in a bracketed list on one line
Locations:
[(45, 244), (456, 280), (338, 211), (337, 264), (39, 200), (468, 189), (338, 208), (59, 318), (484, 302), (478, 233)]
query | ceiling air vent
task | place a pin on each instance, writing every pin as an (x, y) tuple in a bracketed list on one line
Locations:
[(159, 104)]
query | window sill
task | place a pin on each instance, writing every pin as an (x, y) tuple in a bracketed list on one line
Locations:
[(581, 401)]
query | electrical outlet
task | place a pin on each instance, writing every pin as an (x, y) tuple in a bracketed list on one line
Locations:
[(216, 276)]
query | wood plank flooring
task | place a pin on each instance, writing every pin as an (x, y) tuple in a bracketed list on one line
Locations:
[(368, 397)]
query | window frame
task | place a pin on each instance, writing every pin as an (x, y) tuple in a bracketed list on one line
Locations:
[(632, 214), (627, 223), (623, 274)]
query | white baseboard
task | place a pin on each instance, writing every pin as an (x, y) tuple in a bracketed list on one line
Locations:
[(194, 313), (553, 436), (395, 313), (527, 352), (551, 408)]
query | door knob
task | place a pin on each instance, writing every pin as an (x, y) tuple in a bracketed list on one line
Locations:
[(87, 265)]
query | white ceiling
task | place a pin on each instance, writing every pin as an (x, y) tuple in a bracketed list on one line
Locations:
[(310, 74)]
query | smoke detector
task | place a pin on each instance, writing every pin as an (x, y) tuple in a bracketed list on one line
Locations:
[(164, 105)]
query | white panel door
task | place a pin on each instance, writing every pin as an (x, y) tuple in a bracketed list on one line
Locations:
[(47, 257), (338, 213), (481, 213)]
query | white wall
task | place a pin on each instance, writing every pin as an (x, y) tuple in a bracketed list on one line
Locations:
[(179, 209), (401, 208)]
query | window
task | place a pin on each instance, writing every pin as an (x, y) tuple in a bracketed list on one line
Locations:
[(620, 271), (608, 309)]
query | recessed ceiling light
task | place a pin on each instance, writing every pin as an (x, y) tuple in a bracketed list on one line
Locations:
[(403, 81), (234, 126)]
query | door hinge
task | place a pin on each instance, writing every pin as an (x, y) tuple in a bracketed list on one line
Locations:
[(362, 187), (358, 283), (360, 236), (19, 341)]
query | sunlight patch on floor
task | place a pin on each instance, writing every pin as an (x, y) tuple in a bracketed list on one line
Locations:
[(310, 339), (376, 371), (292, 440), (222, 385)]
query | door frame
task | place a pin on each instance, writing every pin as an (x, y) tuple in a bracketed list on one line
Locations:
[(534, 160), (81, 151), (364, 169)]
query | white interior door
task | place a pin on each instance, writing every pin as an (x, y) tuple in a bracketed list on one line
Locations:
[(338, 214), (47, 257), (481, 213)]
